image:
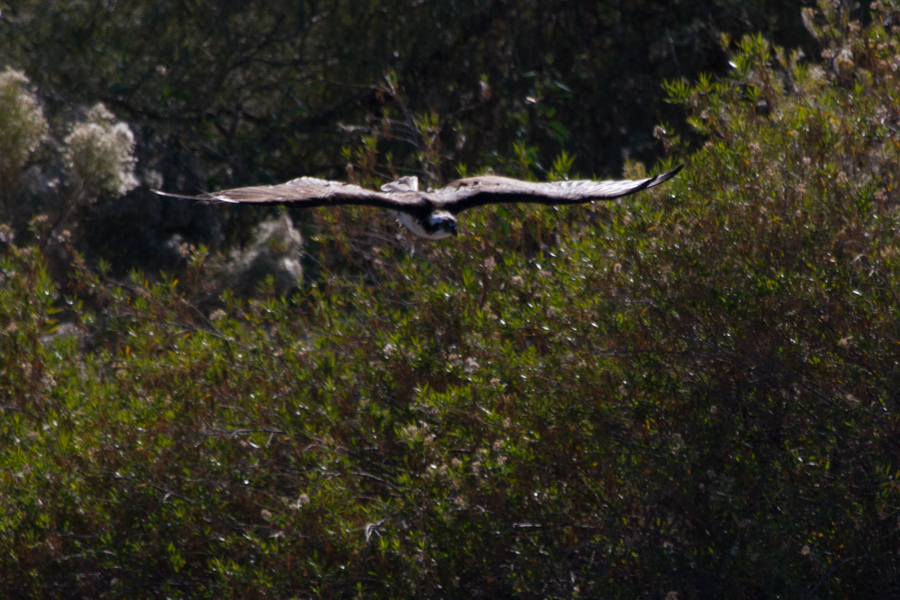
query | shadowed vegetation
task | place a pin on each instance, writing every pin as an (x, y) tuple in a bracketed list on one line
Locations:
[(692, 391)]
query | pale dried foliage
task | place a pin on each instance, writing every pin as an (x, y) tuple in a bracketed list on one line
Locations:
[(22, 125), (99, 154), (273, 254)]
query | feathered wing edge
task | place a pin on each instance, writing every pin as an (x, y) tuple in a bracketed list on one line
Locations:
[(309, 192), (478, 191)]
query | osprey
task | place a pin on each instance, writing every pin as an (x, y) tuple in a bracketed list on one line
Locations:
[(431, 214)]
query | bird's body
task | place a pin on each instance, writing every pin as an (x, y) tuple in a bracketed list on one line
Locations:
[(432, 214)]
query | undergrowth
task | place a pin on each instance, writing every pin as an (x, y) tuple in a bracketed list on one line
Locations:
[(691, 391)]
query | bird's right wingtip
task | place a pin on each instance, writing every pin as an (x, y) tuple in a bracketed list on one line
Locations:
[(168, 195), (205, 198)]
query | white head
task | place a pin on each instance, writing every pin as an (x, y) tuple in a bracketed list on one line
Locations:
[(438, 225), (442, 224)]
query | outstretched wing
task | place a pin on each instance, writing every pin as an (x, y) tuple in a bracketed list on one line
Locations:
[(309, 192), (477, 191)]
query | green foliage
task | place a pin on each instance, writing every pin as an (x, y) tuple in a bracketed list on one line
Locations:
[(692, 391)]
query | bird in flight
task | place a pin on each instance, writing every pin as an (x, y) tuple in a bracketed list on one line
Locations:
[(432, 214)]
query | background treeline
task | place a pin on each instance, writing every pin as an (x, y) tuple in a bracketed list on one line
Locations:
[(692, 393), (220, 94)]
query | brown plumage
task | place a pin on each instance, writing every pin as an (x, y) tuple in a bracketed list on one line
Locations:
[(432, 214)]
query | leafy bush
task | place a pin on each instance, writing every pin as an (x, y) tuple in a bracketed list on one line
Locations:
[(693, 391)]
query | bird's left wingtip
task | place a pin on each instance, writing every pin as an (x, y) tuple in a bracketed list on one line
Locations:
[(672, 173), (663, 177)]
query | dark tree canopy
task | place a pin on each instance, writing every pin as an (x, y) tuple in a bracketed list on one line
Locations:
[(257, 92)]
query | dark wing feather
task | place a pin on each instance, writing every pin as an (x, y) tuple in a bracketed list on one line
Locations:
[(477, 191), (309, 192)]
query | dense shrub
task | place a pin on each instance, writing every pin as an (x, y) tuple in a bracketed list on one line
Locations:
[(693, 391)]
